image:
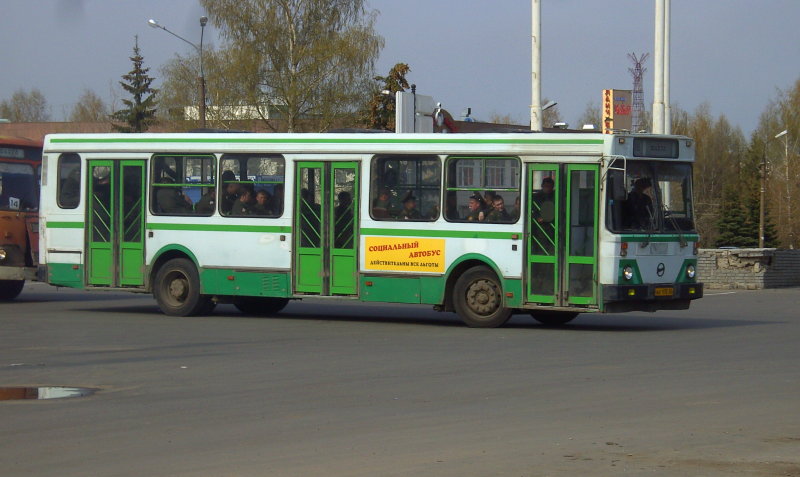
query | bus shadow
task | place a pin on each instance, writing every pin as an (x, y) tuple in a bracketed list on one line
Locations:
[(426, 317), (637, 323)]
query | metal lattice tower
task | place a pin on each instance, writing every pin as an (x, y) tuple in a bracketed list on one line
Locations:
[(638, 91)]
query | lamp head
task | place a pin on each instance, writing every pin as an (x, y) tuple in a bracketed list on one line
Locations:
[(782, 133), (153, 23), (203, 20)]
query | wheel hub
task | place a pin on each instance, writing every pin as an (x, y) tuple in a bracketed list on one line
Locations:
[(177, 288), (482, 297)]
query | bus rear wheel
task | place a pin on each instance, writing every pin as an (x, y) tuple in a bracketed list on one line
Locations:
[(177, 289), (554, 318), (10, 289), (478, 299), (260, 306)]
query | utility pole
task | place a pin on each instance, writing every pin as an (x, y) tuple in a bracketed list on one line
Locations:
[(536, 65)]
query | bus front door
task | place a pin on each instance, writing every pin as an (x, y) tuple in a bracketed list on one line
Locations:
[(325, 228), (115, 232), (561, 268)]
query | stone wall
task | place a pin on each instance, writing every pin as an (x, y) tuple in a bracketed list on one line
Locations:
[(749, 268)]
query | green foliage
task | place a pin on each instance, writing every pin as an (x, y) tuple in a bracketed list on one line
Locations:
[(25, 107), (310, 60), (140, 111), (734, 230), (380, 110)]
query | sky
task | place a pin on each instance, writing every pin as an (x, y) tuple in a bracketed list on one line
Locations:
[(733, 54)]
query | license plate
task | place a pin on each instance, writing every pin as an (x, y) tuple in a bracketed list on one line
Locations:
[(664, 291)]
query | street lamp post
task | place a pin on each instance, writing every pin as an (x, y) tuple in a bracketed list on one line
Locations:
[(762, 199), (199, 49), (785, 135)]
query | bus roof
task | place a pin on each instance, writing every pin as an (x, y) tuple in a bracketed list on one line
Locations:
[(343, 143)]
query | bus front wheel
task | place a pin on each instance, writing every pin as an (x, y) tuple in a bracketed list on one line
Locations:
[(10, 289), (177, 289), (478, 299)]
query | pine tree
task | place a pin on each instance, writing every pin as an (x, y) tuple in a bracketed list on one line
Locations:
[(732, 222), (751, 205), (140, 112)]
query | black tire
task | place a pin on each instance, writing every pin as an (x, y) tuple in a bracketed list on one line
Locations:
[(177, 289), (478, 299), (10, 289), (554, 318), (260, 306)]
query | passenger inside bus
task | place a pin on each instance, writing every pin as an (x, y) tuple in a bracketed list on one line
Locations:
[(499, 214), (242, 204), (543, 214), (639, 211), (230, 192), (476, 209), (409, 211), (261, 207), (170, 200), (205, 206), (70, 193), (343, 215), (382, 204)]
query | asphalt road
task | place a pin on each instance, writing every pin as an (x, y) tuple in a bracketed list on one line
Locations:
[(335, 388)]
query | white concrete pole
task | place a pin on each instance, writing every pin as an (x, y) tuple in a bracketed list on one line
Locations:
[(536, 65), (667, 27), (658, 73)]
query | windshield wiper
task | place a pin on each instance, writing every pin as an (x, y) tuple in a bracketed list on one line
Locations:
[(668, 215)]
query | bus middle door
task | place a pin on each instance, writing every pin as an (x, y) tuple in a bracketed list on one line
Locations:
[(325, 228), (115, 232)]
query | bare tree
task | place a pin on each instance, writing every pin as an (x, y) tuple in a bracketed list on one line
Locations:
[(591, 115), (25, 107), (89, 108)]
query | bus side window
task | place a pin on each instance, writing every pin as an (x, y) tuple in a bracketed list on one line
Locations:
[(406, 188), (482, 189), (69, 181), (252, 185), (183, 184)]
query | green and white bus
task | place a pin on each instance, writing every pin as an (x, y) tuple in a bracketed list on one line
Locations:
[(484, 225)]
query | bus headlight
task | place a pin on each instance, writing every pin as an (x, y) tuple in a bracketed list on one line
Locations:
[(627, 272), (690, 271), (3, 254)]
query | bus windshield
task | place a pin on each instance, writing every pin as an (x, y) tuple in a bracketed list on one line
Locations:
[(650, 197), (18, 187)]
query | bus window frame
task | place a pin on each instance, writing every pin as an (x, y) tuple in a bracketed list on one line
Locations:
[(153, 185), (418, 186), (61, 178), (483, 188)]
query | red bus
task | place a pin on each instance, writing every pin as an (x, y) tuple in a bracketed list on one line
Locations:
[(20, 172)]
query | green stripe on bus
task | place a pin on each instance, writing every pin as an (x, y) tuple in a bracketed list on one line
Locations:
[(221, 228), (331, 140), (65, 225), (439, 233), (658, 238)]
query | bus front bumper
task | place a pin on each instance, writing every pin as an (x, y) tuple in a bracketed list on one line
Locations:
[(650, 297)]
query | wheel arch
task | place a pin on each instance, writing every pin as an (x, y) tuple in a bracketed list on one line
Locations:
[(165, 254), (461, 265)]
